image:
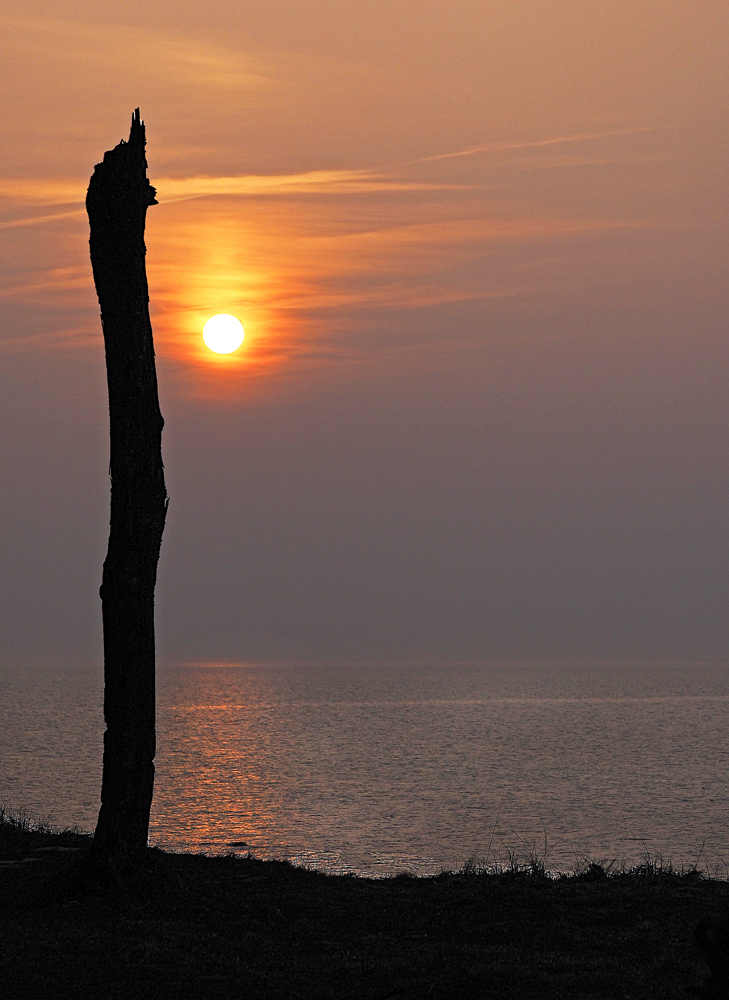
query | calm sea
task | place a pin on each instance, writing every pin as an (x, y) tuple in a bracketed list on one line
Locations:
[(380, 769)]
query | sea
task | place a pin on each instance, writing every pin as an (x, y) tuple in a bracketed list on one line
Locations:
[(380, 769)]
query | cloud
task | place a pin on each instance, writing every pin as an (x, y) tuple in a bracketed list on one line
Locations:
[(49, 284), (499, 147), (43, 191), (40, 220), (117, 47), (33, 191), (312, 182), (292, 253)]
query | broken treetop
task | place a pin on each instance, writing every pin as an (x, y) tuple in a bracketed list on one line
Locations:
[(120, 182), (117, 201)]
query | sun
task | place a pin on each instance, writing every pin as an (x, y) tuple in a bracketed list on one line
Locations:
[(223, 333)]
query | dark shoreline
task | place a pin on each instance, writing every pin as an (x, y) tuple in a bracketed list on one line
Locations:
[(219, 927)]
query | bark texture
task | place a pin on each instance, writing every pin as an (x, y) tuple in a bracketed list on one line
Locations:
[(117, 201)]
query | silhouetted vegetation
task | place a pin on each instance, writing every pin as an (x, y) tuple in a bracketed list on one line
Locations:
[(232, 926)]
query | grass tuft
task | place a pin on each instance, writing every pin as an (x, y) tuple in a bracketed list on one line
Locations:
[(20, 833)]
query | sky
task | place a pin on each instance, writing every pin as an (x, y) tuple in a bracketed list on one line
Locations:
[(480, 253)]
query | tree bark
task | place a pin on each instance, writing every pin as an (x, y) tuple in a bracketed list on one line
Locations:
[(117, 201)]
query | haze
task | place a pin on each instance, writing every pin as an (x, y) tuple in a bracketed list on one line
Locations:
[(480, 254)]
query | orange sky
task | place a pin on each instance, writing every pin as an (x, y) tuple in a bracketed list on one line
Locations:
[(319, 155), (386, 194)]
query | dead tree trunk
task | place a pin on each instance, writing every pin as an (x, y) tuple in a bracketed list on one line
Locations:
[(117, 201)]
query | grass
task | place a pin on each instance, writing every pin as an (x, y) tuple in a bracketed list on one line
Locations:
[(533, 859), (224, 927)]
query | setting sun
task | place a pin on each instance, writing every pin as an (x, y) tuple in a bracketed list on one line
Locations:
[(223, 333)]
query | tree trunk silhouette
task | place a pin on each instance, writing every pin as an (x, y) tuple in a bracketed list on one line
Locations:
[(117, 201)]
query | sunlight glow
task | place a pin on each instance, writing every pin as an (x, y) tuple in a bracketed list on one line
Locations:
[(223, 333)]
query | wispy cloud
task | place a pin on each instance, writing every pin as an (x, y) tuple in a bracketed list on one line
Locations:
[(294, 264), (43, 191), (66, 191), (499, 147), (49, 283), (40, 220), (312, 182), (69, 192), (190, 60)]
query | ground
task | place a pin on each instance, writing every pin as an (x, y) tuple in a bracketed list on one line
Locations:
[(228, 927)]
